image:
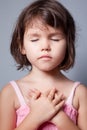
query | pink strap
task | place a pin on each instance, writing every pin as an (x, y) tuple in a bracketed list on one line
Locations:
[(18, 92), (70, 98)]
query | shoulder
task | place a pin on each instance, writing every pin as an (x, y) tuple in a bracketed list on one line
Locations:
[(81, 89), (7, 93), (82, 93)]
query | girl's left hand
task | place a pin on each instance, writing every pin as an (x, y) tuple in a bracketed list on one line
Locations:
[(35, 93)]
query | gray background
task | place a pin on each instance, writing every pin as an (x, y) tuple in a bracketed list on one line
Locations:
[(9, 11)]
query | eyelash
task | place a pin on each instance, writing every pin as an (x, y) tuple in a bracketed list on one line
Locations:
[(34, 40), (56, 40)]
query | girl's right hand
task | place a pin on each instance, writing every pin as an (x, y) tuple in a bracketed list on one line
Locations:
[(45, 106)]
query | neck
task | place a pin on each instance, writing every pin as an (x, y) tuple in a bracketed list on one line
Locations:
[(48, 76)]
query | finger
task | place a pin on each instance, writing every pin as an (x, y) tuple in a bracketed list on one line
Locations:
[(34, 93), (30, 93), (37, 93), (58, 98), (46, 93), (60, 105), (52, 94)]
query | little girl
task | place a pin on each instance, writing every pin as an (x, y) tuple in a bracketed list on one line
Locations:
[(43, 41)]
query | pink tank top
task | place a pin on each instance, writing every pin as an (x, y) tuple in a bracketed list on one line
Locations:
[(24, 110)]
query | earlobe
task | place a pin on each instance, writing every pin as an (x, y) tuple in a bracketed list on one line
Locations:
[(22, 50)]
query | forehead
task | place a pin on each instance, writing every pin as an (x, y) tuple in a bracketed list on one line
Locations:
[(36, 26)]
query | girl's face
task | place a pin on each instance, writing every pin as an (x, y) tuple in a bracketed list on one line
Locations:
[(44, 46)]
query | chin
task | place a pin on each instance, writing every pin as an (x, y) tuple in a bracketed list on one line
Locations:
[(47, 69)]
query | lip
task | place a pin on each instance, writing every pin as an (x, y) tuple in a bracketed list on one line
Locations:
[(45, 57)]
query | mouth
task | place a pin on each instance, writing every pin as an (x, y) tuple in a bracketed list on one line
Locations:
[(45, 57)]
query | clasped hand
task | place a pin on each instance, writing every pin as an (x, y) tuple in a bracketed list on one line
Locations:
[(46, 105)]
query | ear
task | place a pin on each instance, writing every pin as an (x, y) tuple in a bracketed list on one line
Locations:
[(22, 50)]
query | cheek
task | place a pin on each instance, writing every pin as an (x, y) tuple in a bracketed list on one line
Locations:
[(63, 50), (60, 53), (60, 50), (30, 53)]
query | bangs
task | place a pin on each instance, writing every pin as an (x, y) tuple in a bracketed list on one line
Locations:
[(46, 18)]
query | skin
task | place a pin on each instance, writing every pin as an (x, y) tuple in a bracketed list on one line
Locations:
[(43, 44), (45, 87)]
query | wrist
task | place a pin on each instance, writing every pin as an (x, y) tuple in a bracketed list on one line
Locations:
[(34, 121), (57, 118)]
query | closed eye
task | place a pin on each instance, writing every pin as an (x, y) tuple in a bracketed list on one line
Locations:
[(34, 40), (55, 39)]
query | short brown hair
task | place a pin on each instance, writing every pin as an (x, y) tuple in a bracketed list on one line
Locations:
[(53, 14)]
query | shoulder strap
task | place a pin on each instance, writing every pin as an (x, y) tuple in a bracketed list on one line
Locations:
[(18, 92), (70, 98)]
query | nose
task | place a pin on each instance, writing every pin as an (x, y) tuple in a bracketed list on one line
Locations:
[(45, 45)]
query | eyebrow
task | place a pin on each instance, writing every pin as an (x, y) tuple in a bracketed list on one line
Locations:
[(56, 34), (30, 35), (34, 34), (51, 34)]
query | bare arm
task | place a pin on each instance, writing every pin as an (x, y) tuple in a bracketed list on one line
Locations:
[(8, 113), (47, 105), (64, 122)]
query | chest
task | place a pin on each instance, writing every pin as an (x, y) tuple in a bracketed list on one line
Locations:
[(64, 88)]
